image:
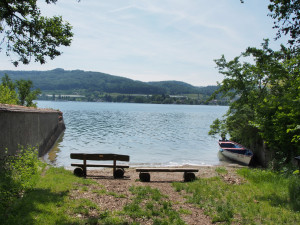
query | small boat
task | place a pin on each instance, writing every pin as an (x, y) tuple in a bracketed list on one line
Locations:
[(235, 151)]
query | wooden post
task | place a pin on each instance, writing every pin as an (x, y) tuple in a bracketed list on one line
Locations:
[(115, 164), (84, 165)]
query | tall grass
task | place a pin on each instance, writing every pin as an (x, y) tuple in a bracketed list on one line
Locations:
[(18, 174), (265, 198)]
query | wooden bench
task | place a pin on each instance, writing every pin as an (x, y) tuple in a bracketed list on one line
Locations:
[(188, 173), (118, 170)]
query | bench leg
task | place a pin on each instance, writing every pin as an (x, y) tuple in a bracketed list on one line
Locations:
[(78, 172), (84, 166), (115, 173), (188, 176), (145, 177), (119, 173)]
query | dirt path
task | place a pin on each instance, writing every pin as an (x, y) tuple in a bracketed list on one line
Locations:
[(162, 181)]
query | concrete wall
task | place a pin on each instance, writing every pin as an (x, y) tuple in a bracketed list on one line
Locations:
[(29, 126), (262, 155)]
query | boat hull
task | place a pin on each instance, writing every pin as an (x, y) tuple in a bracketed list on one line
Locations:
[(244, 159)]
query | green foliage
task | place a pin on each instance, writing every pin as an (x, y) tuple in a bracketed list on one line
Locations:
[(28, 34), (177, 88), (286, 14), (7, 81), (8, 96), (264, 198), (18, 173), (218, 127), (266, 95), (24, 95)]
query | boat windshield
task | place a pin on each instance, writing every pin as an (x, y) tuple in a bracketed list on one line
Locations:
[(228, 145)]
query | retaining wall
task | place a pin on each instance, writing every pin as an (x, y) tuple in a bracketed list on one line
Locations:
[(29, 126)]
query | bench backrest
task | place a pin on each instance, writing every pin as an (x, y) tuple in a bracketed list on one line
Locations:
[(99, 156)]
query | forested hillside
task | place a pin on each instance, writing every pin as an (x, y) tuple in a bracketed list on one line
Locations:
[(64, 80)]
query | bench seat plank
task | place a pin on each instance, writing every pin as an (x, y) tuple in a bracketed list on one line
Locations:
[(100, 157), (97, 165), (166, 170)]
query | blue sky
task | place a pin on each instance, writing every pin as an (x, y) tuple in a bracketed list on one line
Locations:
[(155, 40)]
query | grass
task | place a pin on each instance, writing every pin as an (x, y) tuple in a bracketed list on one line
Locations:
[(265, 198), (103, 191), (149, 203), (221, 170), (50, 201)]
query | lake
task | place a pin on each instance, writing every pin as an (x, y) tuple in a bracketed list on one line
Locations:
[(152, 134)]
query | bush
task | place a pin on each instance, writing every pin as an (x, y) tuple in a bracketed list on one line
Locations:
[(18, 173)]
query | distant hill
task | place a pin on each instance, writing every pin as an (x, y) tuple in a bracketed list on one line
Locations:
[(68, 80), (175, 87)]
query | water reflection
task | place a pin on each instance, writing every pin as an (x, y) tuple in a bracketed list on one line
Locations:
[(52, 154)]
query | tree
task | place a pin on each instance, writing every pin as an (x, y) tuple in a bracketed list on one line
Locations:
[(28, 34), (26, 95), (267, 105), (218, 127), (8, 96), (286, 14), (6, 81)]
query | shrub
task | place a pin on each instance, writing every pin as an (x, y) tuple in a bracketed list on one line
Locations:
[(18, 173)]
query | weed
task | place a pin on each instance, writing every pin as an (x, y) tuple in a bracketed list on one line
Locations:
[(105, 192), (221, 170), (150, 203), (116, 195), (224, 213), (84, 206), (185, 211), (100, 191)]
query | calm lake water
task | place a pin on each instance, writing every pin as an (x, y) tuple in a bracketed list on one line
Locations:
[(153, 135)]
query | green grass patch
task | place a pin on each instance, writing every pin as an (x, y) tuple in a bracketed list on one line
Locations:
[(49, 201), (266, 198), (149, 203), (103, 191), (185, 211), (221, 170), (53, 201)]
